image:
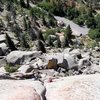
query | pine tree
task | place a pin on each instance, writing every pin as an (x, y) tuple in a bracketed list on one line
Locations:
[(8, 18), (39, 35), (25, 23), (27, 5), (58, 42), (44, 21), (10, 43), (24, 42), (17, 30), (67, 36), (65, 43), (8, 5), (40, 46), (22, 4), (49, 41), (69, 32)]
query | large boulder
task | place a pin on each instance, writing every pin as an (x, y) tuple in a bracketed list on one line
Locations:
[(21, 90), (59, 59), (3, 48), (69, 62), (83, 87), (84, 62), (21, 57), (53, 59)]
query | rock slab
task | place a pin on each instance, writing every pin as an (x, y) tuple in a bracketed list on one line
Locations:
[(21, 90), (82, 87)]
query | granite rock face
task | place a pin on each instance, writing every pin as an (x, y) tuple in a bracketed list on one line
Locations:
[(83, 87)]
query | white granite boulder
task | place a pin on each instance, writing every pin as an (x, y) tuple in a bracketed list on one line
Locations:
[(21, 57)]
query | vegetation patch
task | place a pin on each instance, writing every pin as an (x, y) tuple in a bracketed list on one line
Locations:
[(9, 68)]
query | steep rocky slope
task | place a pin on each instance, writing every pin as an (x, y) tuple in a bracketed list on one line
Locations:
[(41, 59)]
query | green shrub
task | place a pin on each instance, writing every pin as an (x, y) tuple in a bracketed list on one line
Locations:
[(72, 13), (47, 6), (49, 32), (91, 44), (9, 68), (36, 12), (80, 21), (94, 34), (90, 22)]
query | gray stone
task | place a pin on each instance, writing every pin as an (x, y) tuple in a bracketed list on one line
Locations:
[(84, 62), (38, 64), (75, 52), (67, 50), (97, 48), (21, 57), (2, 70), (69, 62), (3, 47), (87, 54), (25, 69)]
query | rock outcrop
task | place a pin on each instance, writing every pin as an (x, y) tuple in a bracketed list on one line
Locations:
[(83, 87)]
